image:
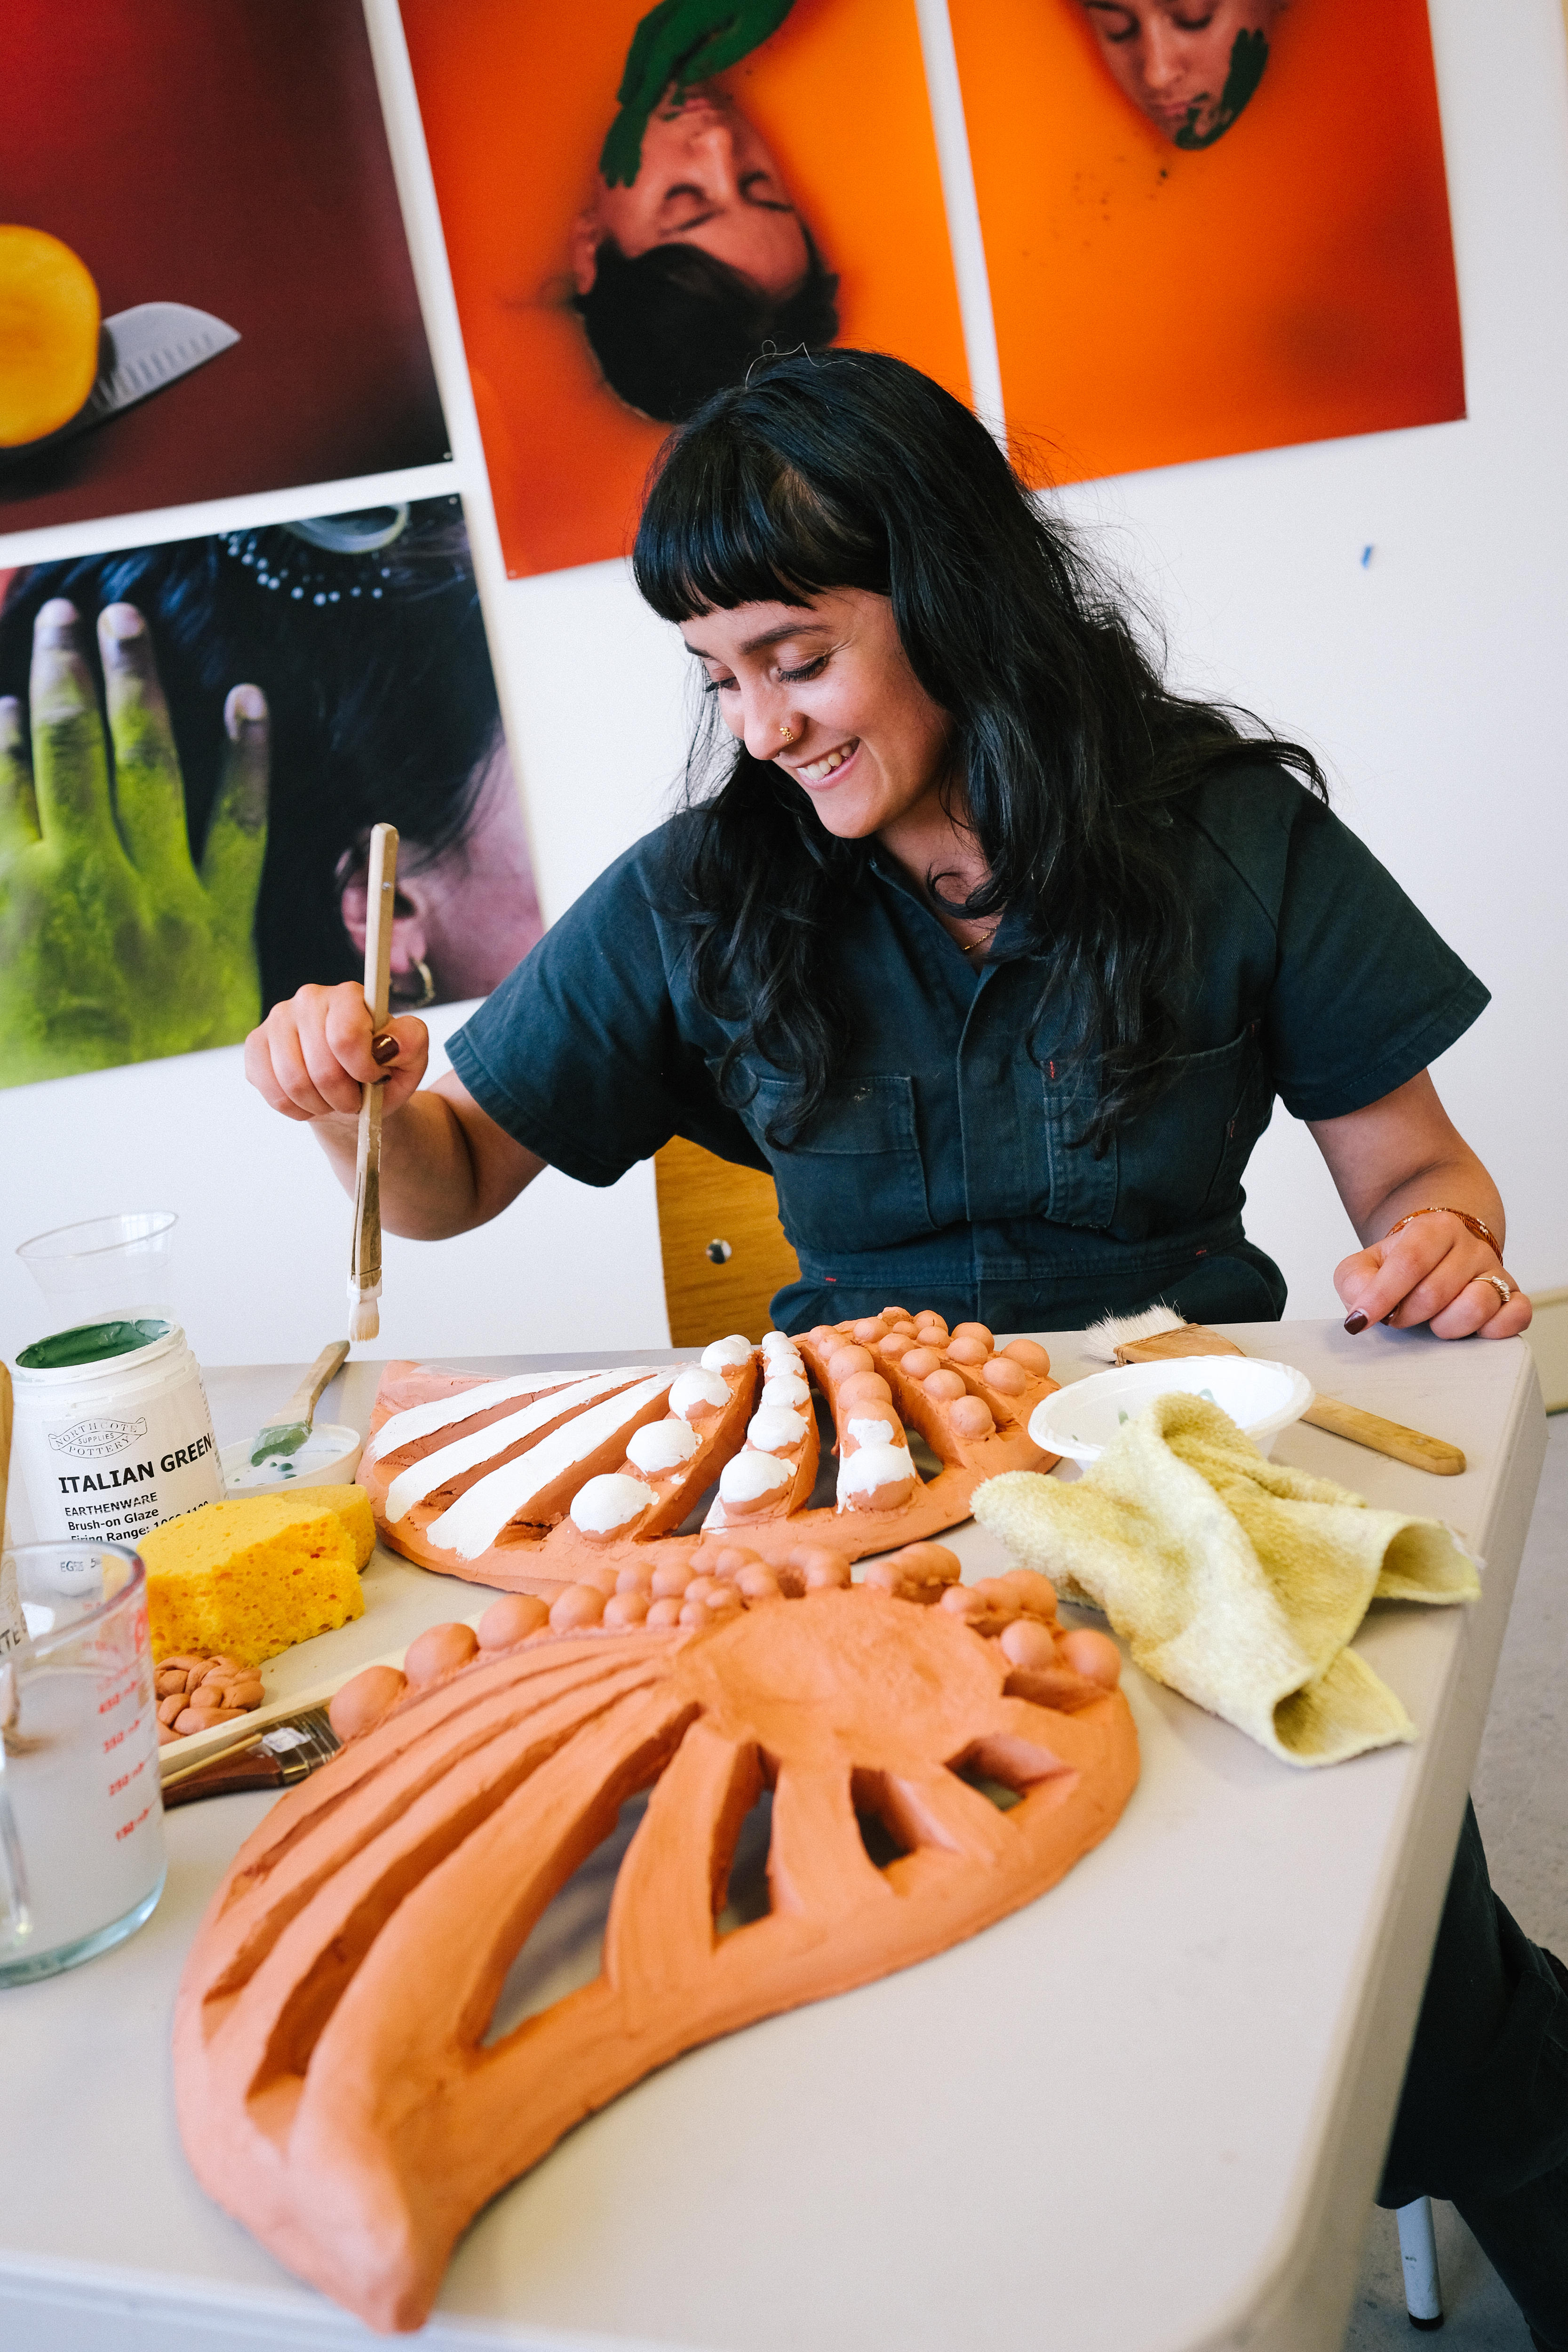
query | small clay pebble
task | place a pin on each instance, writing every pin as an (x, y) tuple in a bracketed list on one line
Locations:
[(575, 1609), (826, 1572), (202, 1719), (624, 1609), (670, 1579), (896, 1344), (506, 1623), (1031, 1355), (1093, 1656), (637, 1577), (844, 1362), (945, 1386), (665, 1610), (439, 1650), (732, 1559), (168, 1708), (722, 1602), (865, 1388), (1006, 1377), (999, 1597), (976, 1331), (601, 1580), (920, 1363), (758, 1585), (1027, 1644), (700, 1587), (928, 1320), (963, 1600), (968, 1351), (1036, 1593), (364, 1701), (823, 1335), (868, 1330), (897, 1315), (971, 1417)]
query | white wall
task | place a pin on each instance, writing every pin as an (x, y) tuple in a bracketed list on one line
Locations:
[(1433, 681)]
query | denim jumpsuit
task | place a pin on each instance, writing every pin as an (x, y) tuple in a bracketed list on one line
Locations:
[(945, 1171)]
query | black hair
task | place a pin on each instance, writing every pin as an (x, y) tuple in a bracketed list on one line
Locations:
[(378, 680), (674, 326), (1071, 759)]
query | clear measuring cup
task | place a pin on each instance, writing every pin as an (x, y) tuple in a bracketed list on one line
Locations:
[(81, 1814), (106, 1266)]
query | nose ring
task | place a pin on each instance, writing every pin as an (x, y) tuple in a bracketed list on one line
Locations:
[(787, 732)]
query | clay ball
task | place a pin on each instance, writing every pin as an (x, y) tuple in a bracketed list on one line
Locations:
[(364, 1701), (439, 1650), (823, 1335), (1027, 1644), (920, 1363), (1008, 1379), (1093, 1656), (968, 1351), (865, 1388), (945, 1386), (623, 1610), (670, 1579), (700, 1587), (635, 1577), (512, 1620), (578, 1608), (971, 1417), (758, 1585), (870, 1329), (731, 1559), (666, 1611), (1036, 1593), (823, 1571), (897, 1315), (976, 1331), (844, 1362), (1031, 1355), (896, 1344)]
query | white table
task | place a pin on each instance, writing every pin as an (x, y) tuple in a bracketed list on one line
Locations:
[(1144, 2115)]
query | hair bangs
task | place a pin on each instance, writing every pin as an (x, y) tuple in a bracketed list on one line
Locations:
[(729, 520)]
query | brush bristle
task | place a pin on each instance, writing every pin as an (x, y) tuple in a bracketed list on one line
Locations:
[(1113, 1331), (364, 1319)]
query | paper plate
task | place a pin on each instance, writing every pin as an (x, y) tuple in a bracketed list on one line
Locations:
[(1261, 1398)]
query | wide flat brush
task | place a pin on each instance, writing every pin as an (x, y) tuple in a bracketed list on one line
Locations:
[(364, 1262), (1159, 1332)]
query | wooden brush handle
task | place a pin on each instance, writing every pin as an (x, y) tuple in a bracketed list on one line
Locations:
[(5, 1441), (382, 889), (1390, 1437), (302, 1405)]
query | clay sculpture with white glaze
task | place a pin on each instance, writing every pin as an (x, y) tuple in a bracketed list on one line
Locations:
[(334, 2087), (550, 1479)]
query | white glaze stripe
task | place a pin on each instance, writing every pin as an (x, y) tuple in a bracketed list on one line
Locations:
[(420, 1419), (476, 1518), (433, 1470)]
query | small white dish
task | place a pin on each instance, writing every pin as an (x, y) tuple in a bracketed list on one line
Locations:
[(1262, 1398), (328, 1458)]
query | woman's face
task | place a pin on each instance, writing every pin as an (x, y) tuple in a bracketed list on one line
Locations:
[(706, 179), (1173, 58), (469, 913), (827, 691)]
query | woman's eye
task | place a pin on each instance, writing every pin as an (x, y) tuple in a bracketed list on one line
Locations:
[(717, 685), (1109, 31), (1194, 24), (812, 670)]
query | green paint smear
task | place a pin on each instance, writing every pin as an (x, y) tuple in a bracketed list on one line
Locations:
[(1248, 56), (90, 1343)]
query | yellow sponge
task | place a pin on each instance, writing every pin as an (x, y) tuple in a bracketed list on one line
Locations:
[(254, 1576)]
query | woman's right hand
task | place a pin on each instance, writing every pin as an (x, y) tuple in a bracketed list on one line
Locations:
[(311, 1056)]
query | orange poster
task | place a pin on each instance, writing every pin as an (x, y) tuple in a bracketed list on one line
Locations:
[(824, 124), (1210, 229)]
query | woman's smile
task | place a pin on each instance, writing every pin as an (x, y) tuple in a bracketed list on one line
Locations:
[(825, 769)]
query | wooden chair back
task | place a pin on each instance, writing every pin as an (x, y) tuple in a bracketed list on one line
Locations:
[(723, 1247)]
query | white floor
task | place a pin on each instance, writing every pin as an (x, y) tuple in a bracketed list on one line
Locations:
[(1521, 1801)]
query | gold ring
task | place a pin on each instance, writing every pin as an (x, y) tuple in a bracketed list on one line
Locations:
[(1504, 1289), (787, 732)]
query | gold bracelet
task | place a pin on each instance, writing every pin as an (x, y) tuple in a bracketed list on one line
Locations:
[(1483, 1233)]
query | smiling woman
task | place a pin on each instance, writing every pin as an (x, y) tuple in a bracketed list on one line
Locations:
[(1191, 65)]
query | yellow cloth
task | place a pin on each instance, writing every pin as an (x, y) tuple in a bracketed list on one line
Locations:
[(1237, 1581)]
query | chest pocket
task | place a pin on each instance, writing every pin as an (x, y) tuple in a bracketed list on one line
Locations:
[(853, 1180), (1079, 1190), (1180, 1162)]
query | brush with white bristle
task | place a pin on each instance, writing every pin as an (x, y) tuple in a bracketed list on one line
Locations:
[(1113, 1331), (364, 1259)]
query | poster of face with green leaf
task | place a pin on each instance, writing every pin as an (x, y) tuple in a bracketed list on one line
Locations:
[(196, 740)]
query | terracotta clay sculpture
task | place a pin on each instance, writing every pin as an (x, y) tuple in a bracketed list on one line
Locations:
[(550, 1479), (334, 2087)]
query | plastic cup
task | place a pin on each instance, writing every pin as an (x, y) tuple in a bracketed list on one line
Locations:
[(95, 1270), (81, 1812)]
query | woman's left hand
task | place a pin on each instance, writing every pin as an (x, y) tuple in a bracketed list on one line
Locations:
[(1436, 1271)]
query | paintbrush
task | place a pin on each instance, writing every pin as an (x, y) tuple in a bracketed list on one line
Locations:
[(1159, 1332), (288, 1749), (287, 1435), (364, 1262)]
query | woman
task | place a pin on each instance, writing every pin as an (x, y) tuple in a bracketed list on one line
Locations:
[(368, 694), (996, 952), (690, 257), (1191, 65)]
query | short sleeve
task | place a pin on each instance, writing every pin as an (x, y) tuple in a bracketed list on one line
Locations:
[(1365, 992), (580, 1053)]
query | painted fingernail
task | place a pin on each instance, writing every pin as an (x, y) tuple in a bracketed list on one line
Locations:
[(1356, 1322), (385, 1050), (120, 622), (55, 624), (246, 707)]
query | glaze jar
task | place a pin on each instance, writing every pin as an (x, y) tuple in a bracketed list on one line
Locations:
[(113, 1431)]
